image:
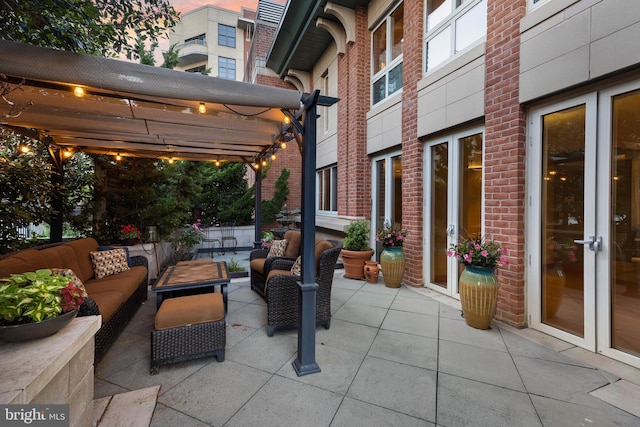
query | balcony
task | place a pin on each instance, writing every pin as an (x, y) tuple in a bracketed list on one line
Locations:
[(192, 52)]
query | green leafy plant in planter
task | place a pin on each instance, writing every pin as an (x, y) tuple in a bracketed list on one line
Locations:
[(36, 296), (356, 248)]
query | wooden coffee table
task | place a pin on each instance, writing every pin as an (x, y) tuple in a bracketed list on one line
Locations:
[(192, 277)]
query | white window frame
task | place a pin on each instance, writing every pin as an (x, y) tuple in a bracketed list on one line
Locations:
[(333, 190), (449, 23), (390, 63)]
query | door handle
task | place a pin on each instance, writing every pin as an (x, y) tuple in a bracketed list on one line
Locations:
[(594, 243), (450, 229)]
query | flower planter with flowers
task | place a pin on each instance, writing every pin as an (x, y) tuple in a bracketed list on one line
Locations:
[(392, 259), (129, 235), (478, 284), (36, 304)]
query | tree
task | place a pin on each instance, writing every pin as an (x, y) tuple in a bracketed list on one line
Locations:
[(97, 27), (171, 57), (270, 208), (25, 186)]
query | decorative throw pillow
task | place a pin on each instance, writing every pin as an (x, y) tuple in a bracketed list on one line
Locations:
[(296, 268), (126, 249), (106, 263), (277, 248), (77, 283)]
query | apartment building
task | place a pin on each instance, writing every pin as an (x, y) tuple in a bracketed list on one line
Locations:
[(214, 41), (517, 120)]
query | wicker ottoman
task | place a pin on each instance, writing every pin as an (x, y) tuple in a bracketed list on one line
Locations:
[(186, 328)]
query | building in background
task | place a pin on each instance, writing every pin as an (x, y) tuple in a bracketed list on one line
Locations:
[(214, 41)]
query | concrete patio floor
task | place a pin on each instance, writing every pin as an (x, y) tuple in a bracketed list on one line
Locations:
[(392, 357)]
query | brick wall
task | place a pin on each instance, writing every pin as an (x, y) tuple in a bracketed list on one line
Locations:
[(505, 145), (354, 168), (412, 147)]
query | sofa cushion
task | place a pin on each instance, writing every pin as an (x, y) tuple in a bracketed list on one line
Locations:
[(257, 265), (321, 246), (108, 303), (274, 273), (61, 257), (106, 263), (75, 281), (296, 268), (277, 248), (293, 243), (189, 310), (125, 282), (13, 265), (82, 247), (34, 258)]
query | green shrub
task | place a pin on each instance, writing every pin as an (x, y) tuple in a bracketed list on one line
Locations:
[(358, 238)]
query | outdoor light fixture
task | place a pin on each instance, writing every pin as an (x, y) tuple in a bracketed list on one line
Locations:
[(171, 160), (202, 108), (78, 91), (67, 153), (24, 149), (264, 163), (287, 119), (283, 145), (118, 157), (273, 156), (217, 163)]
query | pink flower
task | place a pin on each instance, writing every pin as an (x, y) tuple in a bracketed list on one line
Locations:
[(484, 253)]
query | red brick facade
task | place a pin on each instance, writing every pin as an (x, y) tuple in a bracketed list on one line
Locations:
[(412, 147), (505, 146), (354, 167)]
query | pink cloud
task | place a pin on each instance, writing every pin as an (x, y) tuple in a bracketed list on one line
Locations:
[(183, 6)]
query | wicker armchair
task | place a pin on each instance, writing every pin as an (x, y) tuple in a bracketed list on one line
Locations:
[(260, 265), (282, 291)]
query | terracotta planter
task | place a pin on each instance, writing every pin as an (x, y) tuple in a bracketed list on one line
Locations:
[(353, 262), (392, 262), (478, 288), (371, 271)]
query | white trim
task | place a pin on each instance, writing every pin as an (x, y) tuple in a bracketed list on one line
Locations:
[(453, 200)]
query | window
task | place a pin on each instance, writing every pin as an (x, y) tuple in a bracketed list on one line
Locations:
[(386, 56), (453, 26), (198, 69), (226, 35), (226, 68), (328, 189), (200, 39)]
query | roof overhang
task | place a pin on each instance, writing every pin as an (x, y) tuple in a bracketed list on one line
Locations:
[(298, 43), (138, 110)]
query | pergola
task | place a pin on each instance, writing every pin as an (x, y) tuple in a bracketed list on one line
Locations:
[(99, 105)]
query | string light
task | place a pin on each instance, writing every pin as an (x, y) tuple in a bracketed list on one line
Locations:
[(78, 91), (171, 160), (67, 153), (273, 156), (287, 120), (264, 163), (217, 163), (283, 145), (118, 157), (25, 149), (202, 108)]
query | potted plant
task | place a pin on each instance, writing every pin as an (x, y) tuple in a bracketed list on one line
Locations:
[(478, 285), (185, 239), (392, 258), (356, 248), (129, 235), (36, 304)]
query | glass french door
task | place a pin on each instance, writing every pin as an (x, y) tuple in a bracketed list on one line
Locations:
[(453, 203), (387, 194), (584, 221)]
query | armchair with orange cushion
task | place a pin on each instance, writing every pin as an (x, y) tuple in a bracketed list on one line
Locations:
[(261, 261), (282, 291)]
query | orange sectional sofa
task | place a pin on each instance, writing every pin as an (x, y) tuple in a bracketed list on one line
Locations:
[(115, 297)]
